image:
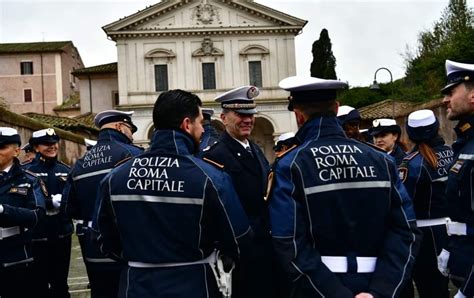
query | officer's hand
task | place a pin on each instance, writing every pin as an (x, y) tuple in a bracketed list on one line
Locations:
[(459, 294), (56, 200), (443, 259), (364, 295), (456, 228)]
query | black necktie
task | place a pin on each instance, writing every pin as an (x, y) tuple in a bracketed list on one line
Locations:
[(249, 150)]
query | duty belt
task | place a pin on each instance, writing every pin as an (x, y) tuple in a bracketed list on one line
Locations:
[(8, 232), (209, 260), (421, 223), (339, 264)]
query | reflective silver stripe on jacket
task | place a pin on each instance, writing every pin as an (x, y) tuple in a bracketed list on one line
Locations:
[(432, 222), (8, 232), (100, 260), (52, 212), (346, 185), (209, 260), (91, 174), (339, 264), (154, 199)]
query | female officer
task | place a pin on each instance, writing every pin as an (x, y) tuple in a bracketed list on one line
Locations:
[(424, 173), (21, 207), (386, 134), (52, 238)]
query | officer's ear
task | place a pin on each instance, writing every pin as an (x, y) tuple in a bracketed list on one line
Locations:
[(185, 125)]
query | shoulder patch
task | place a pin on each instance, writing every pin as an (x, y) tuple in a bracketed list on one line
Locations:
[(281, 154), (457, 166), (122, 161), (213, 163), (210, 146), (411, 155), (403, 173)]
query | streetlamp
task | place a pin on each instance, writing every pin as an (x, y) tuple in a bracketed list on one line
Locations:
[(375, 86)]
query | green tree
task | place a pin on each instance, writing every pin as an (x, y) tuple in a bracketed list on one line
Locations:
[(450, 38), (324, 62)]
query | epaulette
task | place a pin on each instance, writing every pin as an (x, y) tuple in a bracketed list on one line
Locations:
[(210, 147), (283, 153), (122, 161), (213, 163), (31, 173), (411, 155), (64, 164), (374, 147), (26, 162)]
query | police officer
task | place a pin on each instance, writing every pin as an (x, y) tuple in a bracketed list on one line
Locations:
[(457, 259), (21, 208), (210, 135), (284, 142), (114, 144), (386, 134), (244, 161), (424, 173), (342, 223), (52, 237), (164, 211), (350, 121), (30, 153)]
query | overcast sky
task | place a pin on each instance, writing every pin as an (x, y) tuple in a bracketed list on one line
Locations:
[(365, 35)]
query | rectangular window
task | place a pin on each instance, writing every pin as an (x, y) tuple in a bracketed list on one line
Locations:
[(255, 73), (26, 68), (208, 76), (115, 98), (27, 95), (161, 77)]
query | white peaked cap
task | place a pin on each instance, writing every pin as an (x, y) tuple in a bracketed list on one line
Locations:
[(421, 118), (344, 110)]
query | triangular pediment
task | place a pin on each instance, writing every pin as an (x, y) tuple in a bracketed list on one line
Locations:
[(217, 15)]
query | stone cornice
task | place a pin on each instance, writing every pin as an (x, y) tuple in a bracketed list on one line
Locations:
[(294, 30)]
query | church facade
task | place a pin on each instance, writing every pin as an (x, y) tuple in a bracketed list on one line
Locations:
[(207, 47)]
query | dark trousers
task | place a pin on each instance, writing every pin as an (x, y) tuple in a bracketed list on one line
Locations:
[(104, 278), (51, 267), (16, 281), (430, 283)]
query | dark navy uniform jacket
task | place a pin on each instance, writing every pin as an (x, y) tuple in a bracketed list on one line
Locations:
[(209, 137), (425, 185), (80, 193), (54, 174), (22, 197), (398, 154), (167, 206), (237, 160), (334, 196), (460, 193)]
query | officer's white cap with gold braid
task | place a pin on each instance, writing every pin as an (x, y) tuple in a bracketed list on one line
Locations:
[(240, 100)]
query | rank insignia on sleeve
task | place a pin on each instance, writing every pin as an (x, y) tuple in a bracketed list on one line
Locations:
[(19, 190), (457, 166), (402, 174)]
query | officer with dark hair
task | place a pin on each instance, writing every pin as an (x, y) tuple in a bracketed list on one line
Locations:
[(245, 162), (350, 121), (457, 259), (114, 144), (210, 135), (424, 173), (21, 209), (166, 212), (30, 153), (341, 221), (52, 237), (387, 136)]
